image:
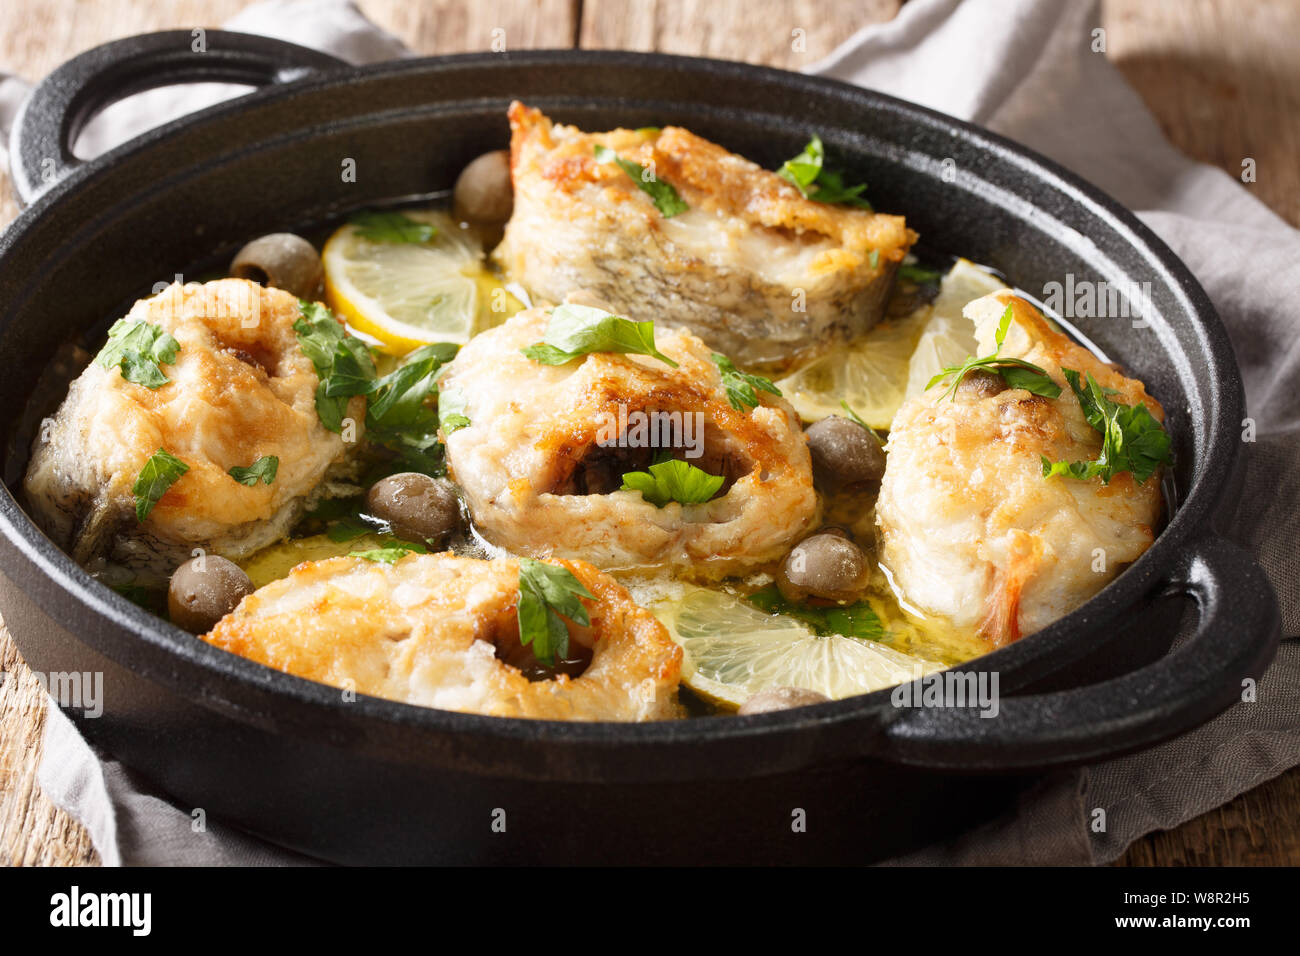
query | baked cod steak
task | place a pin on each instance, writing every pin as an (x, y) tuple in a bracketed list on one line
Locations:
[(752, 267), (239, 389), (970, 528), (437, 630), (542, 460)]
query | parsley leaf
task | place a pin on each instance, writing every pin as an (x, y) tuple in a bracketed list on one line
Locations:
[(344, 521), (392, 227), (343, 364), (331, 508), (857, 420), (400, 398), (452, 406), (918, 274), (138, 349), (665, 197), (740, 386), (808, 173), (264, 469), (400, 413), (673, 480), (421, 452), (847, 620), (347, 528), (575, 330), (1017, 373), (391, 554), (159, 473), (1132, 439), (547, 591), (151, 599)]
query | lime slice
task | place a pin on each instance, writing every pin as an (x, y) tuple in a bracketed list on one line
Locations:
[(409, 294), (733, 650), (948, 337)]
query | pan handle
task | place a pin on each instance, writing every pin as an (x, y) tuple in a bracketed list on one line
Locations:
[(1236, 636), (47, 125)]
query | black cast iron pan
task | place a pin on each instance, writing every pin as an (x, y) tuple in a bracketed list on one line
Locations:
[(1163, 648)]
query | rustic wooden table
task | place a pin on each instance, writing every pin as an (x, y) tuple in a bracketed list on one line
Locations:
[(1221, 75)]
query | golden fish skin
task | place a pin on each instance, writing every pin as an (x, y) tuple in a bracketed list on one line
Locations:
[(425, 630), (756, 270), (540, 477), (970, 528), (240, 389)]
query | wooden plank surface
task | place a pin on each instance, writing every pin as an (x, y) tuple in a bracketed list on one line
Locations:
[(1220, 75), (790, 35), (1223, 79)]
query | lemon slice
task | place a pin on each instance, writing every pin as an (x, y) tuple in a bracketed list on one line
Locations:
[(275, 562), (895, 359), (733, 650), (409, 294), (870, 374), (948, 337)]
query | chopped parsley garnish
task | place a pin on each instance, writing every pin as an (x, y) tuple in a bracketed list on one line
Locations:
[(347, 528), (673, 480), (418, 451), (331, 508), (741, 387), (547, 591), (808, 173), (919, 275), (453, 421), (1132, 439), (343, 364), (1017, 373), (847, 620), (263, 469), (151, 599), (401, 398), (392, 227), (139, 349), (575, 330), (451, 409), (344, 521), (401, 413), (857, 420), (159, 473), (391, 554), (665, 197)]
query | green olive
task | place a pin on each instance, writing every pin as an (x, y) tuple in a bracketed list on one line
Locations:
[(981, 383), (780, 698), (823, 566), (418, 508), (205, 589), (484, 193), (844, 454), (283, 261)]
